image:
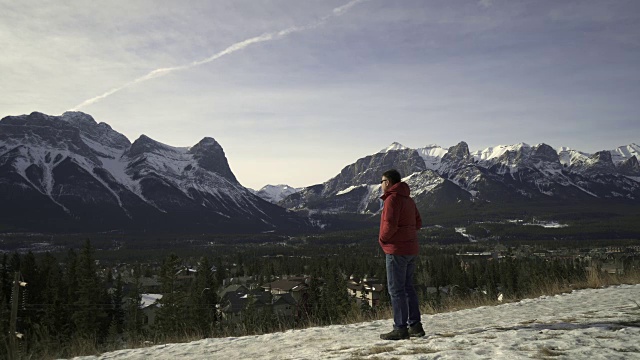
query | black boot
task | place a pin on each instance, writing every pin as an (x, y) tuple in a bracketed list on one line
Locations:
[(395, 334), (416, 330)]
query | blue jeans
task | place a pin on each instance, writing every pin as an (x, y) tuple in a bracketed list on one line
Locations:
[(404, 301)]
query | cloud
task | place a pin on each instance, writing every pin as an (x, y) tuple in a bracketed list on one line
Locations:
[(486, 3), (339, 11)]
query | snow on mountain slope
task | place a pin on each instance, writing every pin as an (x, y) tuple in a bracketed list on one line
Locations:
[(623, 153), (275, 193), (585, 324), (93, 173), (432, 156), (570, 157), (419, 183), (494, 153), (519, 172), (394, 146), (186, 170)]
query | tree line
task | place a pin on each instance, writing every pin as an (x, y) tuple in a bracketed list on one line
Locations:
[(69, 307)]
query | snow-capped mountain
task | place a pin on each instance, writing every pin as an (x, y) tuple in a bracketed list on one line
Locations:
[(78, 174), (518, 173), (351, 190), (275, 193), (71, 173)]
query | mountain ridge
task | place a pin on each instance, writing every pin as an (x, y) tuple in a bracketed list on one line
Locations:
[(70, 172), (86, 176), (518, 173)]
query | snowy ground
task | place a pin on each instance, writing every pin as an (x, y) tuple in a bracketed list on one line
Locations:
[(586, 324)]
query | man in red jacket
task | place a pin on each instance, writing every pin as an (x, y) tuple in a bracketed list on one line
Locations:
[(398, 238)]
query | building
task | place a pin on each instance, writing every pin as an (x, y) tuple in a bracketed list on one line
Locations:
[(369, 289)]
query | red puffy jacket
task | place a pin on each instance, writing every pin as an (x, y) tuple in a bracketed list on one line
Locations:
[(399, 222)]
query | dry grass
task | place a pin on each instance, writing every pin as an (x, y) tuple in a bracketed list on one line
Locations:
[(594, 279), (446, 335), (545, 352), (419, 350), (373, 351)]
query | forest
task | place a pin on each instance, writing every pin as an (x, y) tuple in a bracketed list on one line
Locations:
[(76, 304)]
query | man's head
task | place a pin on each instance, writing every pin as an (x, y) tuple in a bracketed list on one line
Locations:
[(390, 178)]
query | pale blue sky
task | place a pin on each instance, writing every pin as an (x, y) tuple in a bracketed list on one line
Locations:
[(296, 108)]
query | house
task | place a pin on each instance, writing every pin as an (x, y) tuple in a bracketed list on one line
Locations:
[(613, 268), (150, 284), (284, 305), (297, 287), (234, 305), (149, 306), (367, 288)]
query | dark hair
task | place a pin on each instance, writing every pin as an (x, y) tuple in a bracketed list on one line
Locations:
[(393, 175)]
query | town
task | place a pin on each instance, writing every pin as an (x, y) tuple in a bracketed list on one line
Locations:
[(194, 288), (287, 295)]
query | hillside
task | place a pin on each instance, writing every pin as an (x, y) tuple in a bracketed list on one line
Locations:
[(585, 324)]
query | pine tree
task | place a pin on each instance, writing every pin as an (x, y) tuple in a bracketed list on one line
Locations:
[(4, 308), (116, 316), (5, 283), (134, 315), (335, 298), (55, 317), (89, 314), (202, 299), (169, 319), (32, 294)]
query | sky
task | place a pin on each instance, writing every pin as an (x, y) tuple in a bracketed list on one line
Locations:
[(585, 324), (296, 90)]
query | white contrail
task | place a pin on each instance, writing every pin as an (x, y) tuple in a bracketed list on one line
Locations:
[(231, 49)]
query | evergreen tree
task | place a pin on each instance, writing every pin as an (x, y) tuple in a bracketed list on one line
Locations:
[(116, 314), (203, 298), (5, 312), (134, 315), (5, 282), (169, 318), (89, 311), (335, 298), (55, 318)]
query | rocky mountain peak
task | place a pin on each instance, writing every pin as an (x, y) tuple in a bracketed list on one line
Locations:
[(394, 146), (36, 119), (368, 170), (545, 153), (206, 143), (143, 144), (630, 167), (211, 157), (458, 152), (101, 133), (78, 117), (601, 162), (39, 130), (602, 156)]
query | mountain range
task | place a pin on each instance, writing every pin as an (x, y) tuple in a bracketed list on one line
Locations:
[(522, 178), (70, 173)]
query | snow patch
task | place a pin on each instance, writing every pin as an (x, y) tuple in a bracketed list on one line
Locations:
[(573, 325), (394, 146)]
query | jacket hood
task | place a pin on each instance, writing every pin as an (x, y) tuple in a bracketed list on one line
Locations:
[(400, 188)]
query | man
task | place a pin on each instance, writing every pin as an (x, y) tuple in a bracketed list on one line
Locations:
[(398, 238)]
